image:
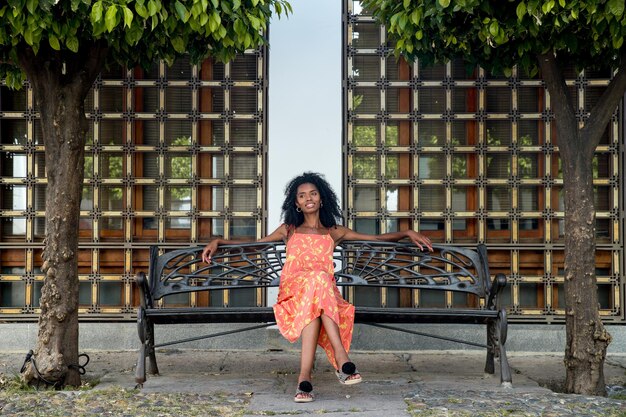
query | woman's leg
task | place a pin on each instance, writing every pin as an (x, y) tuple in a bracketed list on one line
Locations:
[(332, 330), (310, 334), (341, 356)]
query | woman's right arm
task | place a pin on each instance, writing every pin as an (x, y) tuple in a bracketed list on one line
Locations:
[(277, 235)]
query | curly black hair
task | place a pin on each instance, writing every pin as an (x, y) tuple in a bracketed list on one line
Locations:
[(330, 213)]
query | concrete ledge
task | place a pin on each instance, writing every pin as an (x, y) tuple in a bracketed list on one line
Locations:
[(20, 337)]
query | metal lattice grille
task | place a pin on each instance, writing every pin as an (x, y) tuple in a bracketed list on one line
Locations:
[(467, 157), (174, 156)]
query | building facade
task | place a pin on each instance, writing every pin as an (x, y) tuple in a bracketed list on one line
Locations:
[(178, 154)]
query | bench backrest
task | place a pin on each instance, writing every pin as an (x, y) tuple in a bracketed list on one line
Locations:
[(368, 263)]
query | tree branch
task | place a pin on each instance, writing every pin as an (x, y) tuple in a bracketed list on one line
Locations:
[(82, 68), (27, 59), (98, 52), (602, 112), (40, 68), (562, 104)]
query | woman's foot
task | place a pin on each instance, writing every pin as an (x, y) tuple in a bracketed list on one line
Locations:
[(304, 392), (348, 375)]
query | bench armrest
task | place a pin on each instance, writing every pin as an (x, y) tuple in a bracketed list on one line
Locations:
[(144, 290), (497, 287)]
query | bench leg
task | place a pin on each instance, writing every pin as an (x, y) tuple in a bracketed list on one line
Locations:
[(140, 369), (152, 363), (491, 348), (496, 340), (505, 369)]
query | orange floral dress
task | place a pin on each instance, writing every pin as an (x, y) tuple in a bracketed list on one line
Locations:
[(308, 289)]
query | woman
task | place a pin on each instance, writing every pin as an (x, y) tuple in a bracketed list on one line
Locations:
[(309, 303)]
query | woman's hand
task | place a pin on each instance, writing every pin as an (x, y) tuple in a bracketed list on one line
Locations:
[(209, 250), (419, 240)]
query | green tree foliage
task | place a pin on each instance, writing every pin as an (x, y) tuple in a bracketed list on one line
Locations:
[(137, 32), (499, 34)]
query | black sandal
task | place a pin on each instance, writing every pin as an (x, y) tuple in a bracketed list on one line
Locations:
[(304, 393), (348, 374)]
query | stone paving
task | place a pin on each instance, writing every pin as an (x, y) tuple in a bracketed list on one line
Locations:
[(250, 384)]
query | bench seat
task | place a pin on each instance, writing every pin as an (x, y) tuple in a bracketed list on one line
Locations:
[(174, 315)]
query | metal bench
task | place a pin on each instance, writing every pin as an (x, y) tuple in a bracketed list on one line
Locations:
[(357, 263)]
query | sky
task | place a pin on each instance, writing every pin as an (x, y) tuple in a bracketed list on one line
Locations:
[(304, 98)]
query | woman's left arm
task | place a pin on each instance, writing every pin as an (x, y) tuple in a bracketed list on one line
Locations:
[(342, 233)]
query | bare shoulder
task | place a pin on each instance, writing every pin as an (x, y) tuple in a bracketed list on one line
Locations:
[(283, 231), (338, 233), (277, 235)]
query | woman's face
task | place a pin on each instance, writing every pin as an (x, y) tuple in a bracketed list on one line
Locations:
[(308, 198)]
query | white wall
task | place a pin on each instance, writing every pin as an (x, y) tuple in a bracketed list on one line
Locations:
[(304, 98)]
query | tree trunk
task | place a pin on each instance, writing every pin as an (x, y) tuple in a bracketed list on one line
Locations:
[(587, 339), (64, 126), (60, 90)]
